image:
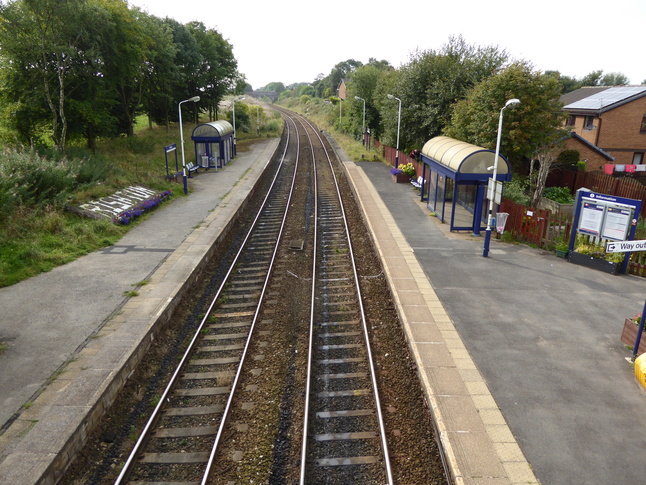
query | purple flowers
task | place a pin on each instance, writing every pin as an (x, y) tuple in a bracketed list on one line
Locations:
[(126, 216), (396, 171)]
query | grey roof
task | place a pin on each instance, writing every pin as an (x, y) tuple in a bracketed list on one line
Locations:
[(581, 93), (607, 99)]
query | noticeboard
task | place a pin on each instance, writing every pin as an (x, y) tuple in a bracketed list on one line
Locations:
[(617, 223), (591, 217), (609, 220)]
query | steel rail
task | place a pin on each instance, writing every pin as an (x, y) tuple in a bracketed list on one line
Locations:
[(370, 359), (127, 468), (255, 319)]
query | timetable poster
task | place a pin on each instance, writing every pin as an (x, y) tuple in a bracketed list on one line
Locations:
[(617, 223), (591, 218)]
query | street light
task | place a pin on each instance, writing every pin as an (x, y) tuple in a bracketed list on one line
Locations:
[(487, 240), (194, 99), (363, 125), (399, 119)]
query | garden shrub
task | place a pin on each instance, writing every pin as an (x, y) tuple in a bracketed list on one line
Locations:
[(561, 195)]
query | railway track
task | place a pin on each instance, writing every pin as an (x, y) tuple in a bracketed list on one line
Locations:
[(279, 383), (343, 435)]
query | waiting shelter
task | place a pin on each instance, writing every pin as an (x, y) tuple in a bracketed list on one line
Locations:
[(456, 175), (214, 144)]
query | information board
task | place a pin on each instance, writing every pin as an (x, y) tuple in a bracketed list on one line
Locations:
[(617, 223), (591, 218)]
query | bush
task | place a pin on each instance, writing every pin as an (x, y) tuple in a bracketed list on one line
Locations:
[(28, 179), (517, 190), (561, 195)]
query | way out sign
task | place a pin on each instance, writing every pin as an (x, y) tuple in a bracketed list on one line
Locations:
[(625, 246)]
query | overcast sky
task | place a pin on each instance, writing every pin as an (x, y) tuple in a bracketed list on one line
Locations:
[(292, 41)]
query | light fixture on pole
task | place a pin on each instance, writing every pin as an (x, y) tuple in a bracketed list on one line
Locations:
[(399, 119), (363, 125), (487, 240), (194, 99)]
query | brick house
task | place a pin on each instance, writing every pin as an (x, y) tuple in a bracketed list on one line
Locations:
[(342, 90), (612, 119)]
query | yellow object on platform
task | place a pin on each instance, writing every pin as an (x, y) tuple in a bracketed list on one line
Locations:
[(640, 369)]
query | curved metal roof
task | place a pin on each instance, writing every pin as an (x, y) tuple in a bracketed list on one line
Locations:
[(213, 129), (463, 157)]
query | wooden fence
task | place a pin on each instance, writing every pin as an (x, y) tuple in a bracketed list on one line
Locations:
[(544, 229), (627, 187)]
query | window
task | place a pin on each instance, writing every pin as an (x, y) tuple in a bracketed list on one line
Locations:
[(588, 124), (638, 158), (643, 126), (571, 120)]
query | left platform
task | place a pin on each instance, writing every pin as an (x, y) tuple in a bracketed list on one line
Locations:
[(73, 337)]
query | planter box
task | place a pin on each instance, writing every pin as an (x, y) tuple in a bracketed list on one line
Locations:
[(629, 334), (562, 253), (594, 263), (400, 178)]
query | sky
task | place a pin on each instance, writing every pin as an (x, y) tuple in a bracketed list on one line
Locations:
[(294, 41)]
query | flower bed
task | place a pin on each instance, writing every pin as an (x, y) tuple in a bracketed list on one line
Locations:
[(147, 205)]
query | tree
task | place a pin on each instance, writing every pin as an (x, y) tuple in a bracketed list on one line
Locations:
[(45, 44), (160, 72), (592, 79), (432, 82), (363, 82), (332, 80), (533, 130), (568, 84), (276, 87), (614, 79), (216, 72)]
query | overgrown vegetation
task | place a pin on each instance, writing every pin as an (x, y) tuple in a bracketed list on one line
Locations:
[(37, 233)]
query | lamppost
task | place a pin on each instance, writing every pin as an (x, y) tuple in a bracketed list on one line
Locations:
[(194, 99), (399, 119), (363, 125), (487, 240)]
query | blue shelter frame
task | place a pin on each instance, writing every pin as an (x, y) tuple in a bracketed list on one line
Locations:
[(214, 144), (458, 173)]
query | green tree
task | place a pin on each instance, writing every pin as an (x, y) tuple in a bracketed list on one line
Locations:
[(568, 84), (160, 72), (217, 70), (45, 44), (614, 79), (125, 50), (532, 130), (432, 82), (276, 87), (363, 82)]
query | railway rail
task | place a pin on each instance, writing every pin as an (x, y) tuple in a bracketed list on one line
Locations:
[(279, 382)]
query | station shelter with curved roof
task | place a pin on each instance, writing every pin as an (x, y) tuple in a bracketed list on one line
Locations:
[(214, 144), (456, 175)]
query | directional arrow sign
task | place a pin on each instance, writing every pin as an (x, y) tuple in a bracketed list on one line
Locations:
[(624, 246)]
